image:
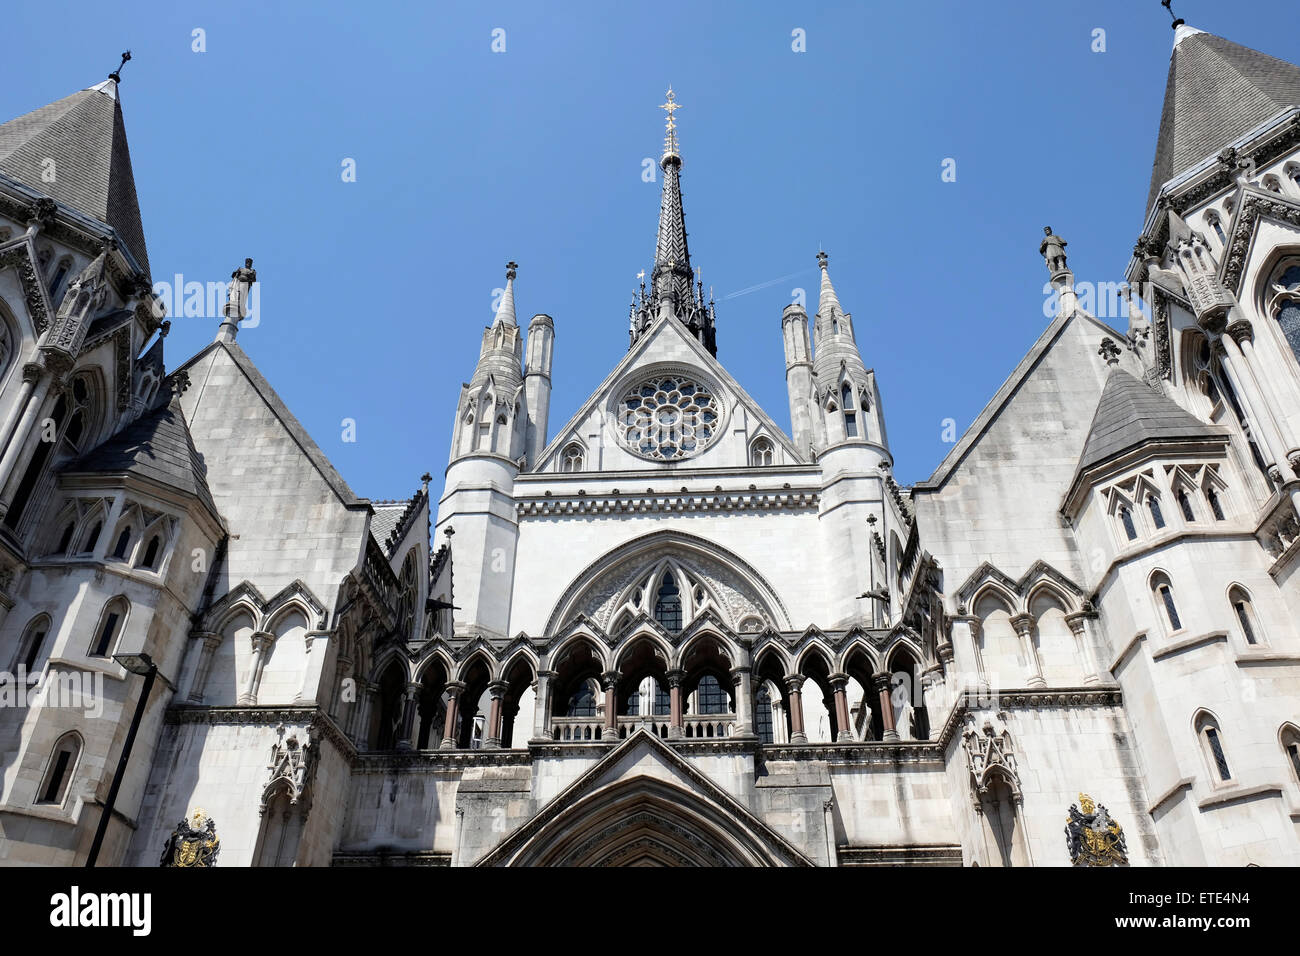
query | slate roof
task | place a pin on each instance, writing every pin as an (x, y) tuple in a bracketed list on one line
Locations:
[(1217, 91), (388, 515), (1131, 414), (85, 136), (157, 446)]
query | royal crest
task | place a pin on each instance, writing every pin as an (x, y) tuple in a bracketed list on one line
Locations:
[(1092, 837), (193, 843)]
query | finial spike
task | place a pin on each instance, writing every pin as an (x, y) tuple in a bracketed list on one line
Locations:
[(116, 75), (670, 140), (1178, 21)]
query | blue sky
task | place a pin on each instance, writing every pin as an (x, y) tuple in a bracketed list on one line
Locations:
[(375, 292)]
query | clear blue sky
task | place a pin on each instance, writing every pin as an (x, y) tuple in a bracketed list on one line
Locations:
[(375, 293)]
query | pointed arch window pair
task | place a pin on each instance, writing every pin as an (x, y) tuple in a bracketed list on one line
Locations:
[(72, 421)]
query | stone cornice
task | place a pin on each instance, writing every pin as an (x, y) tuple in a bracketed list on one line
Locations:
[(437, 761), (1036, 698), (673, 503), (267, 715)]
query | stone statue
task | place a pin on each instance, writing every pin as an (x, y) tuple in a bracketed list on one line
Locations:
[(1052, 249), (904, 715), (241, 280)]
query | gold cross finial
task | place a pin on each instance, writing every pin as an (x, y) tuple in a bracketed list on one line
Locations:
[(670, 141)]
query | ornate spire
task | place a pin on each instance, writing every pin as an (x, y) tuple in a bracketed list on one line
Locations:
[(672, 287), (828, 302), (506, 310)]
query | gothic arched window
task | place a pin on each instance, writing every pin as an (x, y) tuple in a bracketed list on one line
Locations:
[(711, 696), (59, 771), (1291, 747), (761, 453), (1216, 505), (123, 542), (850, 416), (571, 461), (407, 593), (150, 560), (1163, 592), (1207, 729), (29, 647), (1245, 613), (1157, 517), (668, 604), (763, 715), (110, 627), (1284, 305), (1185, 504), (582, 702), (1126, 519)]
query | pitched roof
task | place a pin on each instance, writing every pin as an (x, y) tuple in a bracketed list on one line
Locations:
[(1217, 91), (86, 138), (1130, 414), (388, 515), (157, 446)]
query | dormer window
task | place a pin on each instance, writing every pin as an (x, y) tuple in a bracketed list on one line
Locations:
[(571, 461), (1157, 517)]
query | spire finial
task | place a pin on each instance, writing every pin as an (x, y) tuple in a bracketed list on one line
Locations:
[(116, 75), (1168, 5), (670, 140), (822, 260), (510, 269)]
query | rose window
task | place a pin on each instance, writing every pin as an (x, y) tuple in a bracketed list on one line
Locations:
[(669, 418)]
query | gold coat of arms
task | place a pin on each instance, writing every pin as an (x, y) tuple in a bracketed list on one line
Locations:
[(1092, 837), (194, 842)]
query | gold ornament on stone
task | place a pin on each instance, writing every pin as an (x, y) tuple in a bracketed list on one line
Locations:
[(1092, 837)]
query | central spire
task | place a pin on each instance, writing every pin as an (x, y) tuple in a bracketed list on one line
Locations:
[(671, 289)]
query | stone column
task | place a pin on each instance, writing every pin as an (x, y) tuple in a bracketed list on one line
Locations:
[(675, 678), (742, 680), (542, 707), (343, 673), (203, 645), (20, 441), (839, 685), (609, 681), (883, 693), (449, 726), (410, 704), (1241, 334), (794, 687), (492, 740), (262, 642), (360, 720), (1079, 627), (965, 650), (1243, 383), (32, 373), (1024, 625), (508, 714), (933, 692), (317, 643)]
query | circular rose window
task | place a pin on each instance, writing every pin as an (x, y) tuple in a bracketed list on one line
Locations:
[(668, 418)]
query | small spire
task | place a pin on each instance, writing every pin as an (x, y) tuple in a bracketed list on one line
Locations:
[(1178, 21), (506, 310), (116, 75), (828, 302)]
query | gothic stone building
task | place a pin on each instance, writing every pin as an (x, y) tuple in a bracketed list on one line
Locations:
[(667, 631)]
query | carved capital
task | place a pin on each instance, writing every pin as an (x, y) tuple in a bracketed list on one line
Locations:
[(32, 372), (1023, 623), (1241, 331)]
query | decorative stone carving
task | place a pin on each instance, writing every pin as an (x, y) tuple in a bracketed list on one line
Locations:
[(1052, 249), (1109, 351), (1092, 838), (292, 766), (989, 755)]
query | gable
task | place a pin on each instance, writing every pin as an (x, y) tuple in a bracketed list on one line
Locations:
[(644, 795), (667, 350), (1016, 460)]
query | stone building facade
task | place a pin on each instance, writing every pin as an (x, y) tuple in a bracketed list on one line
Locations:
[(667, 632)]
